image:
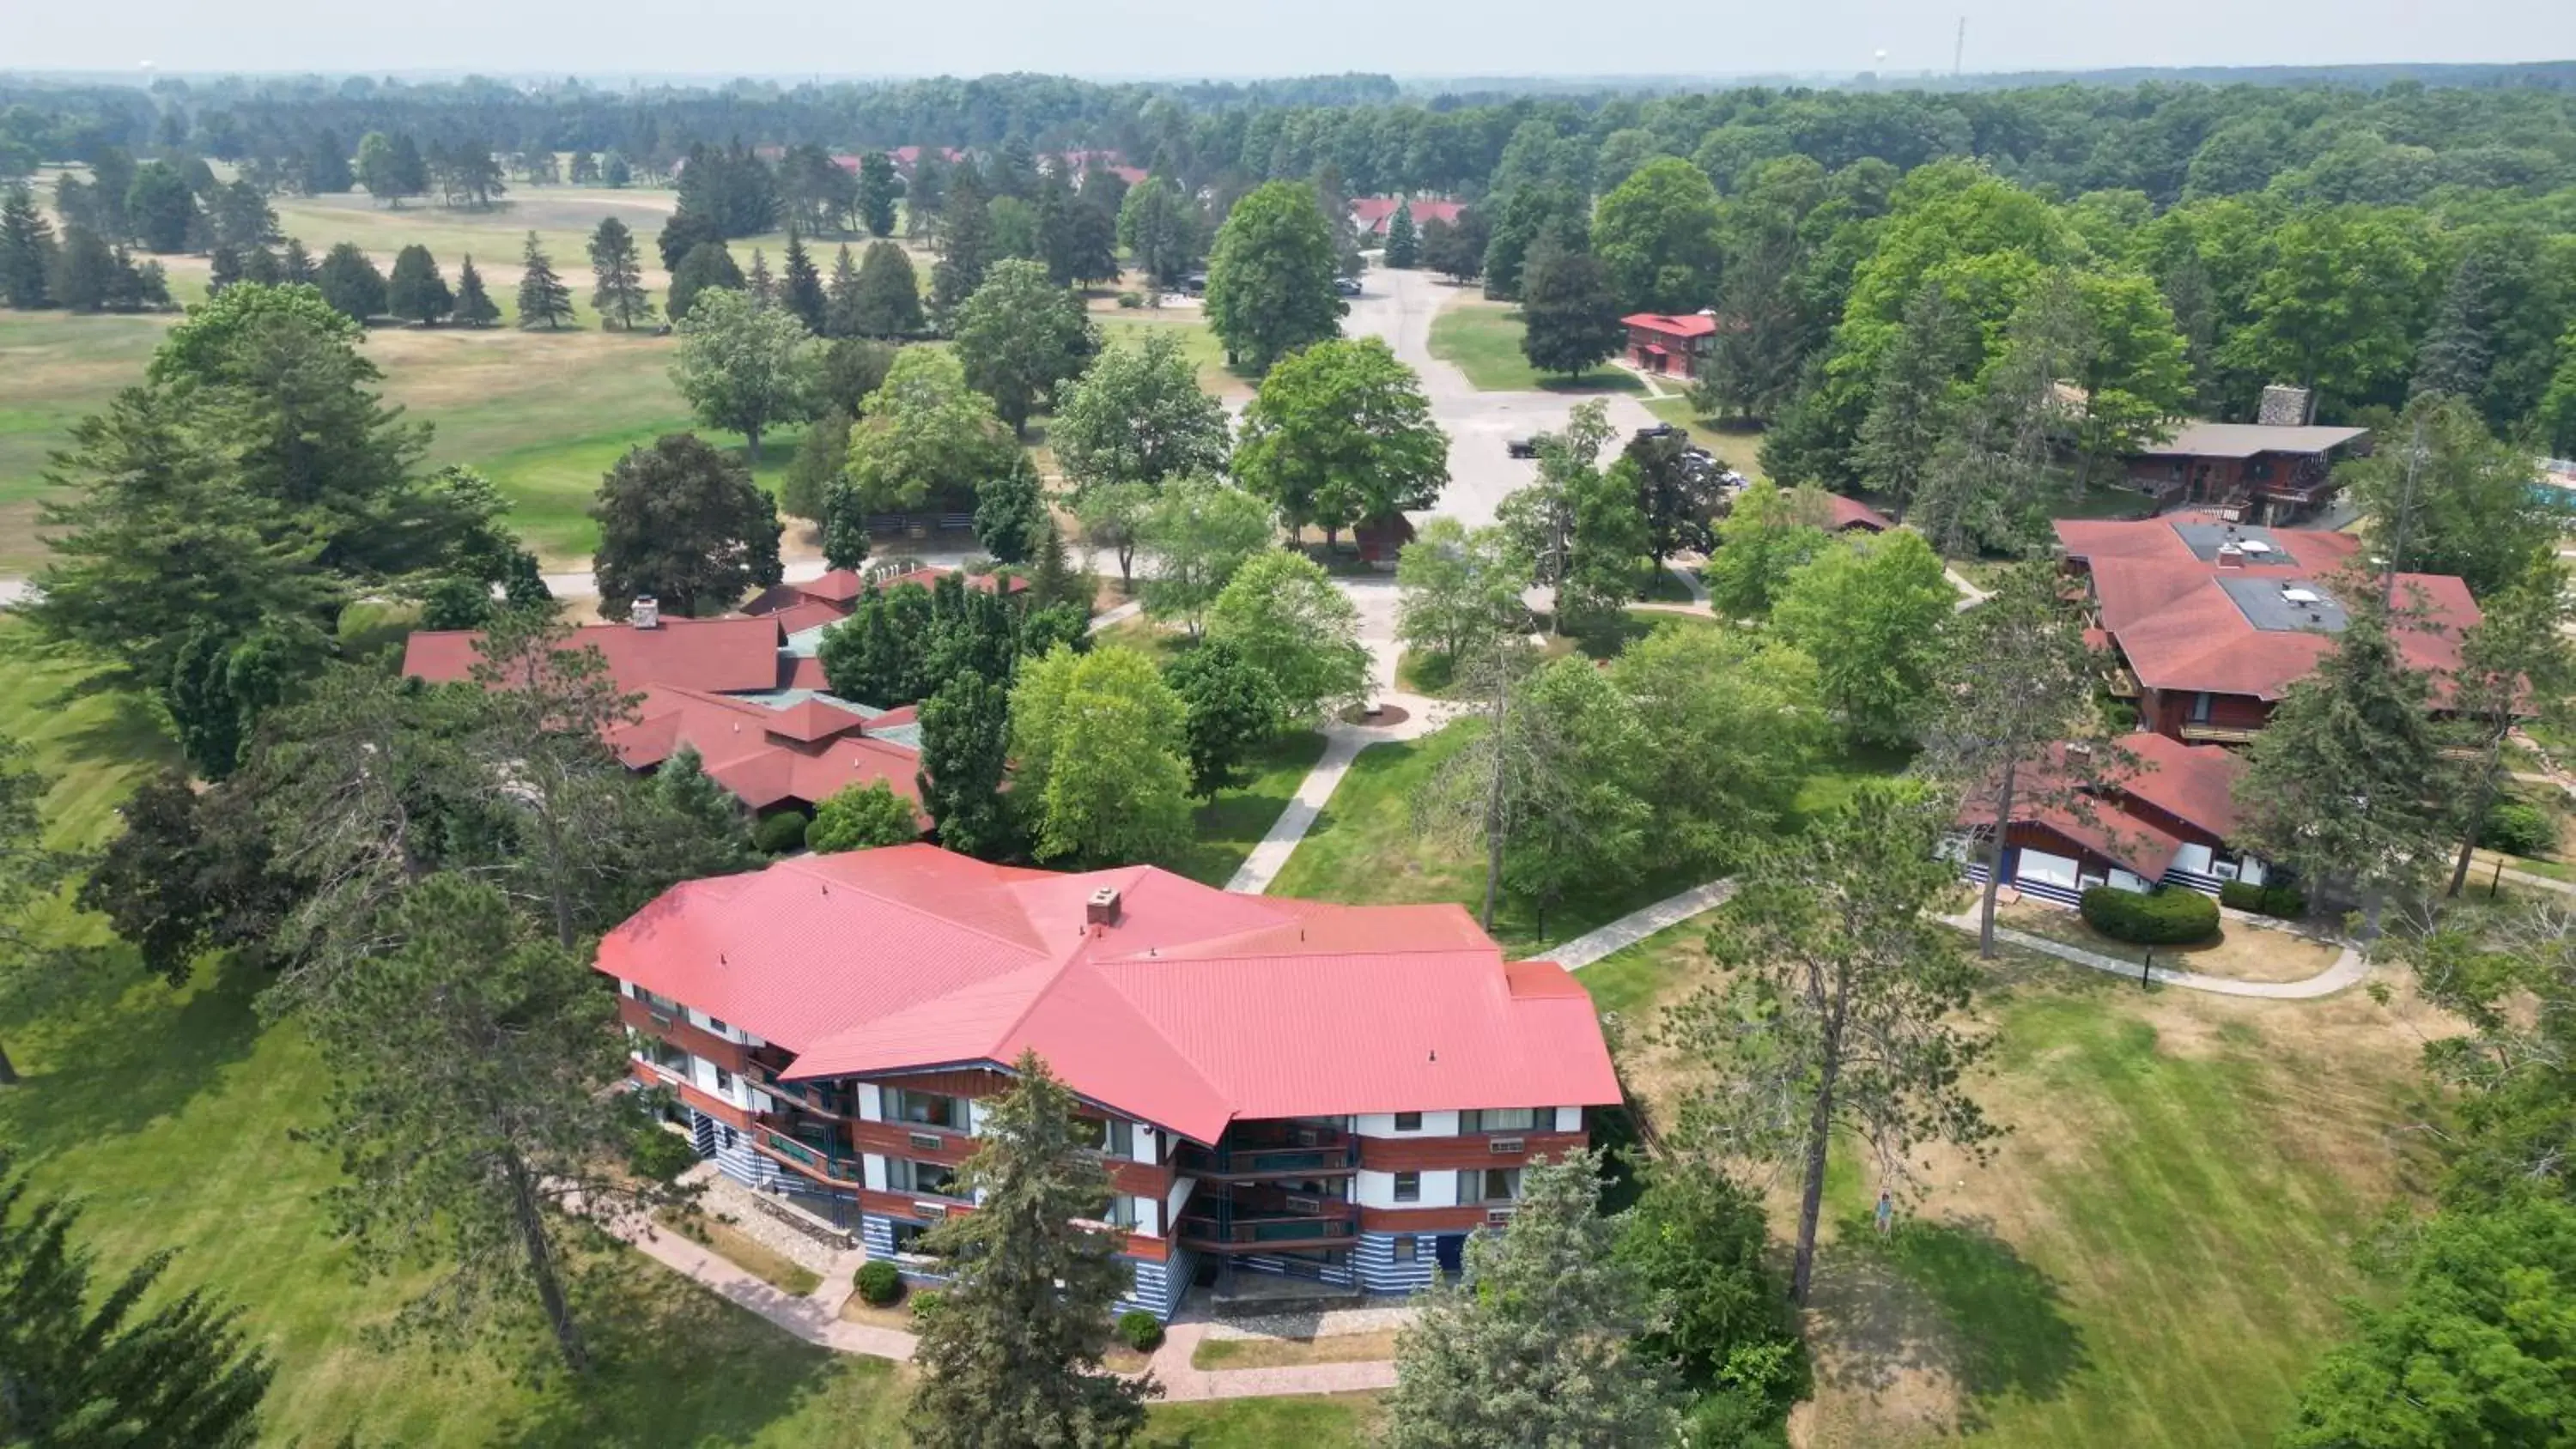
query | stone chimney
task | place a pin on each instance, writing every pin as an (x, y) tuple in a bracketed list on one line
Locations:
[(2283, 406), (647, 613), (1102, 908)]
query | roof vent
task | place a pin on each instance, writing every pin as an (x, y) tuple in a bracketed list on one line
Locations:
[(647, 612), (1102, 908), (2301, 596), (2255, 546), (2231, 556)]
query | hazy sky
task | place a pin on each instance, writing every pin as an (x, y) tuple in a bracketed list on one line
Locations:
[(1194, 37)]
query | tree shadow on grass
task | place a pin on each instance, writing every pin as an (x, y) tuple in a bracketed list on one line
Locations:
[(106, 1053), (676, 1365), (1950, 1299)]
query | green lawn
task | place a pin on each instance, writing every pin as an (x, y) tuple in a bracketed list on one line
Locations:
[(1128, 328), (2155, 1254), (1483, 340), (1225, 829), (1736, 447)]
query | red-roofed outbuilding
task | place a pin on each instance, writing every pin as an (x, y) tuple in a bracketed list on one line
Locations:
[(837, 1020), (1672, 346)]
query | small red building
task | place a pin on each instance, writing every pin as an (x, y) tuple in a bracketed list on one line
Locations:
[(1671, 346)]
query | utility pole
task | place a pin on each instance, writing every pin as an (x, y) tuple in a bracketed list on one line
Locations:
[(1959, 51), (2405, 515)]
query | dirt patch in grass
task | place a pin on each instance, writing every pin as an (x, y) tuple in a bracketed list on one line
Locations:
[(1250, 1353), (744, 1252), (2242, 952)]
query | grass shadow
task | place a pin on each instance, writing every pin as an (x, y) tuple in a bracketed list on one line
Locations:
[(103, 1057), (2008, 1335)]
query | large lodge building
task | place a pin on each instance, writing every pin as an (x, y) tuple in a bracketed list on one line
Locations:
[(1338, 1093)]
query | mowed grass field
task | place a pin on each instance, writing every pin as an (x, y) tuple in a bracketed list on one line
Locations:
[(172, 1115), (1483, 340), (2154, 1255)]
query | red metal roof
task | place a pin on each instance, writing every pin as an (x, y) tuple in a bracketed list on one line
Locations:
[(1694, 325), (1852, 513), (801, 755), (1196, 1007), (1373, 213), (726, 655), (2179, 629), (2195, 783)]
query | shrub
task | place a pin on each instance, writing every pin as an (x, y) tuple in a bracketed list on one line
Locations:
[(1139, 1330), (780, 833), (661, 1154), (2518, 827), (2284, 902), (925, 1302), (2159, 918), (880, 1283), (1131, 299)]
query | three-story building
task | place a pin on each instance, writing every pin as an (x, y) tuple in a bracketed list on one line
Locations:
[(1341, 1093)]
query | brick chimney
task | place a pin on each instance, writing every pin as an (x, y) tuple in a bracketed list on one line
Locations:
[(647, 612), (1102, 908), (2230, 556)]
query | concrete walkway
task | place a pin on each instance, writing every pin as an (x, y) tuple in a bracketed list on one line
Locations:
[(2348, 969), (1184, 1384), (1637, 925), (1119, 615), (1970, 596)]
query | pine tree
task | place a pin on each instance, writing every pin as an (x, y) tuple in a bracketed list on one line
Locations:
[(543, 298), (965, 245), (762, 286), (26, 250), (1403, 243), (878, 188), (841, 299), (296, 262), (1536, 1346), (888, 299), (416, 290), (965, 741), (83, 1367), (617, 272), (474, 306), (1013, 1356), (1912, 404), (800, 286)]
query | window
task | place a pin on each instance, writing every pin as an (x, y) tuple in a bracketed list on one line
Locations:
[(1488, 1184), (1408, 1187), (1120, 1213), (661, 1005), (905, 1175), (724, 1080), (928, 1109), (907, 1237), (664, 1055), (716, 1024), (2200, 707), (1118, 1137), (1499, 1119), (1405, 1249), (1408, 1121)]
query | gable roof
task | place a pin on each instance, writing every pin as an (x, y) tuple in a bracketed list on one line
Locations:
[(727, 654), (2176, 621), (802, 754), (1849, 512), (1373, 214), (2197, 439), (1693, 325), (2193, 783), (1195, 1007)]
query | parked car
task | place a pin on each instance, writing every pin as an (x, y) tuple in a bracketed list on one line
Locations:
[(1347, 286), (1522, 447), (1660, 430), (1195, 284)]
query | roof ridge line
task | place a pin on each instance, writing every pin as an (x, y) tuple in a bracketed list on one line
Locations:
[(801, 865)]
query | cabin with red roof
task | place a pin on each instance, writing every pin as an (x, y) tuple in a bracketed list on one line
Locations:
[(2163, 817), (1670, 346), (1850, 515), (2209, 622), (831, 1027), (1371, 215), (2263, 472)]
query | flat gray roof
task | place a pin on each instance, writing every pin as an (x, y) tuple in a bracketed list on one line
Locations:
[(2196, 439), (2261, 546), (2285, 605)]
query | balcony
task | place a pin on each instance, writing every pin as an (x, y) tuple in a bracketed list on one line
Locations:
[(1229, 1232), (818, 1160), (828, 1099), (1274, 1150)]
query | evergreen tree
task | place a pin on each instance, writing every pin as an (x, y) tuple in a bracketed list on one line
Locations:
[(800, 286), (1013, 1356), (2453, 499), (223, 268), (614, 170), (1010, 508), (1913, 403), (713, 813), (30, 875), (416, 290), (1159, 228), (585, 168), (296, 263), (617, 273), (2342, 784), (965, 742), (26, 250), (966, 245), (544, 301), (841, 297), (709, 264), (350, 282), (1536, 1346), (1233, 709), (326, 166), (887, 300), (1403, 243), (474, 306), (81, 1366), (762, 286), (878, 189)]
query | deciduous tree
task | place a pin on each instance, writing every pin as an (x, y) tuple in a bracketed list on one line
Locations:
[(744, 367), (709, 266), (30, 871), (1571, 316), (1233, 709), (1871, 613), (887, 302), (1340, 434), (682, 524), (925, 435), (1138, 415), (1460, 590), (1282, 612), (2515, 665), (350, 282), (1270, 277), (1021, 337), (1677, 492), (2449, 498), (1099, 739), (1768, 535), (1160, 229), (1198, 532), (1839, 1012), (1657, 235), (861, 817), (965, 746)]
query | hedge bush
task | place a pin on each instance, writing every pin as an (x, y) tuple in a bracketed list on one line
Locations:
[(2159, 918), (2517, 827), (2285, 902), (880, 1283), (780, 833), (1139, 1330), (661, 1154)]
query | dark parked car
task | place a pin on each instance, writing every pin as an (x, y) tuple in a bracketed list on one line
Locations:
[(1347, 286), (1660, 430), (1522, 447)]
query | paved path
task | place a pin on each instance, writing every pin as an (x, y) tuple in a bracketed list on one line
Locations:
[(1183, 1384), (1637, 925), (1119, 615), (2348, 969), (1970, 596)]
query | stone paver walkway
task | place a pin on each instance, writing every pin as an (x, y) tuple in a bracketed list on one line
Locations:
[(1637, 925), (2348, 969), (816, 1319)]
